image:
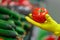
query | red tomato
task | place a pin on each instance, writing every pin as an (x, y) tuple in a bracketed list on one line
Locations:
[(38, 14), (50, 38)]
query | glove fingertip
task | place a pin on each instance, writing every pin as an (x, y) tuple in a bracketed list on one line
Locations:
[(30, 15), (47, 16)]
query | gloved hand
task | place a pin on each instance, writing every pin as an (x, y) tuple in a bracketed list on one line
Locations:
[(12, 25), (49, 25)]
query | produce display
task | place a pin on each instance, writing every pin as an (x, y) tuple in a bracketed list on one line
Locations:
[(12, 24), (15, 24)]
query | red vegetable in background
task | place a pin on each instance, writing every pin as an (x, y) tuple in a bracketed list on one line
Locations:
[(51, 37), (38, 14), (58, 38)]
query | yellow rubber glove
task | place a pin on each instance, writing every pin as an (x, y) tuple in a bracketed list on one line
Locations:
[(49, 25)]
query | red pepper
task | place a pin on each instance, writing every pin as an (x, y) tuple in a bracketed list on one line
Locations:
[(38, 14)]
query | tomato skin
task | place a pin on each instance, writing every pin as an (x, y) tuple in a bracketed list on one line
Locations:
[(50, 37), (38, 14)]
